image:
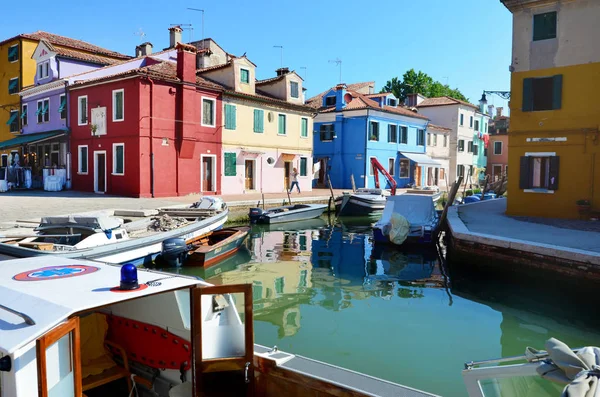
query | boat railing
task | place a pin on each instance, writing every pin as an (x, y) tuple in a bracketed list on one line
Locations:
[(28, 320), (532, 357)]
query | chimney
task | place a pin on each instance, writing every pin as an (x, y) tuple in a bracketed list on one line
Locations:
[(491, 111), (186, 63), (340, 96), (174, 36), (499, 111), (282, 71), (143, 49)]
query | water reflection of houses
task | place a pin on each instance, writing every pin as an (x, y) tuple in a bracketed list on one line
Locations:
[(272, 246)]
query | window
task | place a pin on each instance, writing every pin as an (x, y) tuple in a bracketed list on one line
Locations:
[(461, 145), (230, 164), (476, 125), (475, 150), (404, 168), (460, 170), (371, 168), (391, 163), (462, 119), (428, 139), (404, 135), (327, 132), (421, 137), (544, 26), (543, 93), (498, 147), (13, 121), (434, 139), (118, 159), (82, 159), (294, 89), (373, 131), (392, 133), (43, 70), (230, 117), (245, 76), (118, 105), (281, 125), (24, 117), (259, 118), (442, 173), (208, 112), (470, 147), (392, 102), (62, 109), (13, 86), (445, 140), (43, 111), (330, 101), (4, 161), (13, 53), (471, 122), (82, 110), (539, 171), (303, 166), (304, 127)]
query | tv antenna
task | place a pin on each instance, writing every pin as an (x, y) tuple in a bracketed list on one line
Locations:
[(338, 62), (186, 26), (202, 11), (281, 54), (305, 71), (140, 33)]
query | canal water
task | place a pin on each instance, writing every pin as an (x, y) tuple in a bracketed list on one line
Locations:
[(327, 293)]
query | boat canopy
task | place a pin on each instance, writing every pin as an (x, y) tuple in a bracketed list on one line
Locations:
[(420, 158), (39, 293), (96, 223), (418, 209)]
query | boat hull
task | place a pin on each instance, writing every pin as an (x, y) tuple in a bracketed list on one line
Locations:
[(314, 211), (359, 206), (413, 239), (219, 252)]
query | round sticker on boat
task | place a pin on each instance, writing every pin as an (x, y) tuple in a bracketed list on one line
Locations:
[(55, 272)]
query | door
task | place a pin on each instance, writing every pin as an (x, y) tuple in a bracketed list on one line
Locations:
[(322, 172), (100, 172), (417, 176), (207, 174), (249, 167), (287, 170), (496, 172), (59, 361), (234, 304), (436, 174)]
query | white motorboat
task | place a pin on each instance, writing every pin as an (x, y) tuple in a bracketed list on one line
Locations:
[(362, 202)]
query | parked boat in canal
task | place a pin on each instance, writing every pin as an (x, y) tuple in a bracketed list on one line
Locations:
[(211, 248), (287, 213), (69, 326), (109, 239), (407, 219)]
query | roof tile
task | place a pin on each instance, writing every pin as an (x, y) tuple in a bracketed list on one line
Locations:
[(444, 101), (73, 43)]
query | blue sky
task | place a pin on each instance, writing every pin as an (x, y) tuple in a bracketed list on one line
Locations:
[(466, 43)]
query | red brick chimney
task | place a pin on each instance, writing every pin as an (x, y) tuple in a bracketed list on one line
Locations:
[(186, 63)]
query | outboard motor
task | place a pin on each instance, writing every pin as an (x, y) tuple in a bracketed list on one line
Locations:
[(174, 252), (255, 214)]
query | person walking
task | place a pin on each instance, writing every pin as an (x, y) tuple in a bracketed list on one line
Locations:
[(295, 180)]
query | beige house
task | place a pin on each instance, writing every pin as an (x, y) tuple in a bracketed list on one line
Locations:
[(438, 148)]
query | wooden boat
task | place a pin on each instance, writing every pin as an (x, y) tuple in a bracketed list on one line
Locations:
[(363, 202), (70, 326), (287, 213), (213, 247)]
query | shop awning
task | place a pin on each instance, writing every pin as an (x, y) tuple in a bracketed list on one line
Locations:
[(29, 139), (420, 158), (288, 156)]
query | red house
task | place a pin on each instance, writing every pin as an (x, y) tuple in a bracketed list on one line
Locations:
[(153, 131)]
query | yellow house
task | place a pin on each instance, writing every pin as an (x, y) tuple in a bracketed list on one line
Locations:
[(554, 143), (267, 129)]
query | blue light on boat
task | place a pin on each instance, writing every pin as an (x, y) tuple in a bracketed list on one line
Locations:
[(129, 279)]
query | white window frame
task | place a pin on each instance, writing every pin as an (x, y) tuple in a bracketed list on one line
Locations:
[(378, 131), (244, 82), (537, 189), (458, 146), (17, 119), (114, 109), (87, 110), (213, 179), (497, 154), (300, 167), (297, 89), (301, 136), (114, 159), (392, 171), (214, 115), (36, 116), (400, 126), (44, 70), (445, 140), (79, 172), (14, 45), (461, 119), (470, 144), (24, 107), (285, 124), (59, 102)]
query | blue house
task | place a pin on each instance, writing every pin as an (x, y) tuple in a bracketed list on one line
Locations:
[(353, 125)]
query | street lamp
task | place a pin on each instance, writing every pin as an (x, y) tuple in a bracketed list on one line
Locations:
[(501, 94)]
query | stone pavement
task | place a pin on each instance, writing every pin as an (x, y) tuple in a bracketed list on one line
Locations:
[(488, 219)]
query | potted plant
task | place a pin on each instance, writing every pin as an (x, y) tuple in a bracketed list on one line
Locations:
[(93, 128), (583, 205)]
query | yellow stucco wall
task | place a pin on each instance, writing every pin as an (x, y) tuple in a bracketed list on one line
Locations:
[(24, 68), (577, 121)]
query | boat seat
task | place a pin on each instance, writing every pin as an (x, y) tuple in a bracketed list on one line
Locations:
[(97, 364), (285, 209)]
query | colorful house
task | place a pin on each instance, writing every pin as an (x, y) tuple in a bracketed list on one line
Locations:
[(146, 131), (554, 156), (354, 125), (438, 149), (24, 64), (498, 147), (266, 126)]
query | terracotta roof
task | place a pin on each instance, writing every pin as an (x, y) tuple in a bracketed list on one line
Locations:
[(271, 80), (444, 101), (378, 95), (262, 96), (444, 130), (360, 101), (210, 68), (72, 43), (317, 100), (84, 56)]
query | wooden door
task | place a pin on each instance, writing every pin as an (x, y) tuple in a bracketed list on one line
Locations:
[(59, 361), (287, 170), (242, 362), (322, 172), (417, 176), (249, 166), (207, 174), (100, 172)]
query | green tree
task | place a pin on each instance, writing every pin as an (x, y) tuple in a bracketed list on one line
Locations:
[(421, 83)]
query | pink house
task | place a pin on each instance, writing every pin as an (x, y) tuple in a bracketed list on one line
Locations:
[(498, 148)]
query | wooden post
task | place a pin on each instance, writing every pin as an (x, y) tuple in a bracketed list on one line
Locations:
[(451, 197), (468, 177), (289, 199), (263, 200), (353, 183), (330, 187), (484, 187)]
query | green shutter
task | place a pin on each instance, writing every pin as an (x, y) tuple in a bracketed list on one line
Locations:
[(303, 166), (527, 95), (524, 173), (12, 52), (63, 103), (258, 120), (119, 159), (230, 164), (24, 114), (12, 118), (230, 117), (281, 124), (557, 91), (304, 131)]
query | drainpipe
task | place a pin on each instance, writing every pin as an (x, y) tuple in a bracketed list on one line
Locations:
[(151, 137)]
